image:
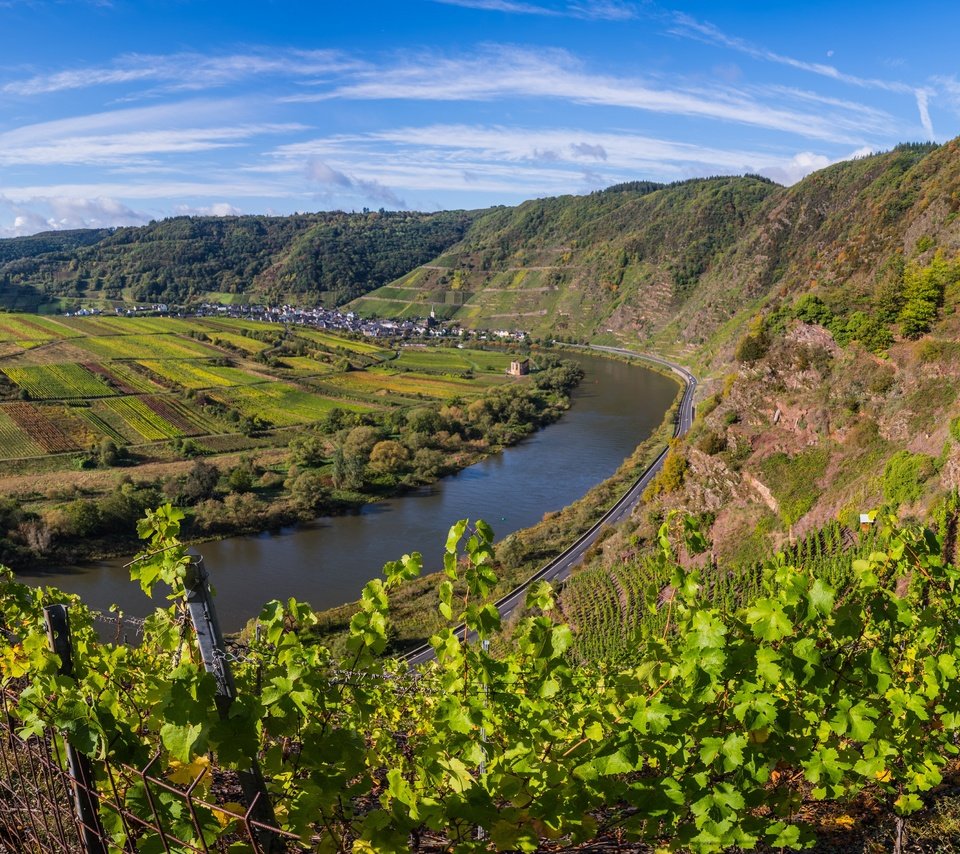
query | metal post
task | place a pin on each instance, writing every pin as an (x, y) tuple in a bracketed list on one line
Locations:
[(85, 799), (485, 645), (213, 651)]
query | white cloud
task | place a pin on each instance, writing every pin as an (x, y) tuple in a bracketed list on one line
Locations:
[(110, 138), (519, 160), (797, 167), (501, 72), (55, 213), (215, 209), (217, 187), (186, 71)]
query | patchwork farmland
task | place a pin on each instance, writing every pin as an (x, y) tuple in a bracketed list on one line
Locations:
[(70, 384)]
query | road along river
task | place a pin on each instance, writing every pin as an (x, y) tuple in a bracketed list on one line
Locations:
[(327, 562)]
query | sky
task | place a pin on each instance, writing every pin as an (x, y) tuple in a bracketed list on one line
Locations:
[(119, 112)]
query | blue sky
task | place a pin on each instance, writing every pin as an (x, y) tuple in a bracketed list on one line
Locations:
[(116, 113)]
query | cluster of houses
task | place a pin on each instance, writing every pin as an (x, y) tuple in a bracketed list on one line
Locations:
[(319, 318)]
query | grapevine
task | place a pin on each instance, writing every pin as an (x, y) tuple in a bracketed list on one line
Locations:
[(713, 734)]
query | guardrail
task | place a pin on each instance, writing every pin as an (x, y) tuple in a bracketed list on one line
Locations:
[(425, 652)]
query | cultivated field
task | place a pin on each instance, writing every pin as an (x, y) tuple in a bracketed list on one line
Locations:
[(68, 384)]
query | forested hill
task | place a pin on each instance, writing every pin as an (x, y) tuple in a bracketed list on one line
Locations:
[(676, 263), (574, 264), (322, 257), (687, 262)]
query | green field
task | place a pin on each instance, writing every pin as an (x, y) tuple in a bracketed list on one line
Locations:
[(283, 405), (70, 383), (58, 382), (335, 342), (450, 360), (13, 439), (408, 384), (199, 373)]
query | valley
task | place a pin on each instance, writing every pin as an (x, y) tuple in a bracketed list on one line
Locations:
[(249, 425), (814, 493)]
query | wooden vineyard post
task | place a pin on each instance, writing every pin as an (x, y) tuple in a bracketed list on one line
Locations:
[(85, 799), (203, 615)]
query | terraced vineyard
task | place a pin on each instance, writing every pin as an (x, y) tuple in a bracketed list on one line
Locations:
[(74, 382), (605, 604)]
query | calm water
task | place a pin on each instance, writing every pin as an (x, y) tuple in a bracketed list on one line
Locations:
[(328, 561)]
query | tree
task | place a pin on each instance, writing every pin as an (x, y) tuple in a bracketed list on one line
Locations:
[(241, 478), (108, 453), (309, 493), (200, 483), (360, 441), (308, 450), (389, 457)]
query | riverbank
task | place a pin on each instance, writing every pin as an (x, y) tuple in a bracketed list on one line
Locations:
[(327, 561), (332, 468), (413, 612)]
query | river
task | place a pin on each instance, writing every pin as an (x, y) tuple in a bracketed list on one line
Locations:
[(327, 562)]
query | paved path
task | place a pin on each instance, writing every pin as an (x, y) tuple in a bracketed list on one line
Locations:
[(561, 566)]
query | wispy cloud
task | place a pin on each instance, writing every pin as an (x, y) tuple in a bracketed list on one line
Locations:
[(508, 6), (604, 10), (689, 27), (188, 71), (439, 157), (115, 137), (597, 10), (499, 72)]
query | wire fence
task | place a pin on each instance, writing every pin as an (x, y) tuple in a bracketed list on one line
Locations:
[(55, 799), (39, 794)]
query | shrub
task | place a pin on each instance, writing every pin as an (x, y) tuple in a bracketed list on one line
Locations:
[(712, 443), (904, 476)]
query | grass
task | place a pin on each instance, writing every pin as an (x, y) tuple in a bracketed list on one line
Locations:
[(794, 480)]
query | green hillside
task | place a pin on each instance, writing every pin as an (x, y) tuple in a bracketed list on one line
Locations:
[(673, 264), (310, 258), (628, 256)]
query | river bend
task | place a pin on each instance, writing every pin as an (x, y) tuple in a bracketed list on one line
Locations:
[(327, 562)]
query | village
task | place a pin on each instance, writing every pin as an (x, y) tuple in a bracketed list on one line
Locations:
[(319, 318)]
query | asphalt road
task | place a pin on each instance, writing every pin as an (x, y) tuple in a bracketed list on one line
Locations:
[(561, 566)]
